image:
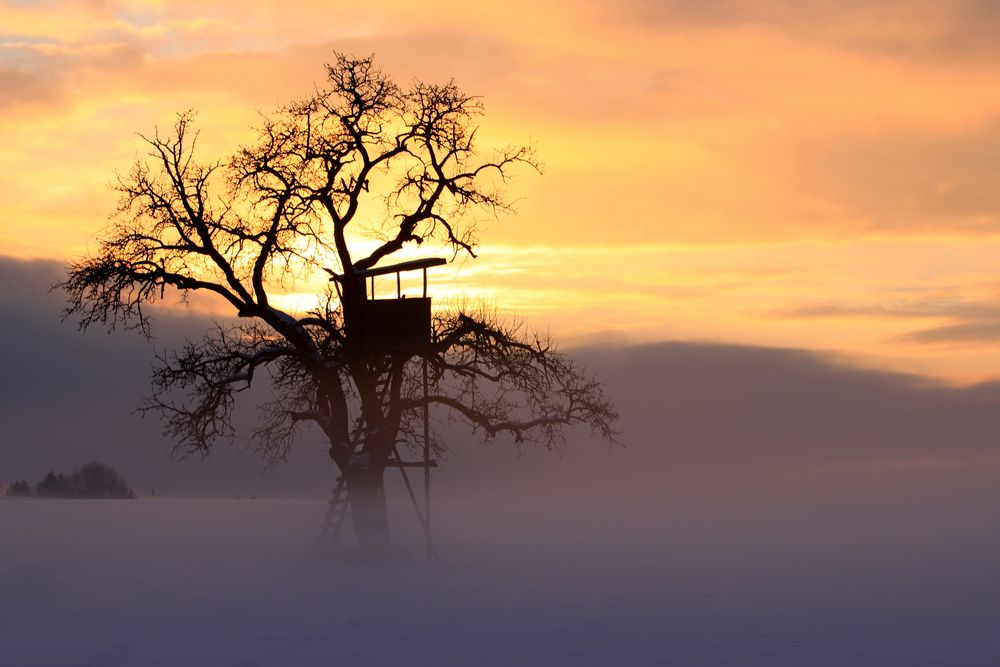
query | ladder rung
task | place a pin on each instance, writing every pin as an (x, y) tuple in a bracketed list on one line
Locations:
[(336, 513)]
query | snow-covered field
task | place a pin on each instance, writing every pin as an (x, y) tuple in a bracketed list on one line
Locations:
[(697, 574)]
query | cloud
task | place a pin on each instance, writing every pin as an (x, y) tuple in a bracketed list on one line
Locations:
[(897, 308), (974, 332), (20, 87), (910, 180), (736, 12), (39, 74), (968, 322), (730, 405), (700, 136), (921, 30)]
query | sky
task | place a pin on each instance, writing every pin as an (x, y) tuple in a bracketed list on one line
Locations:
[(779, 174), (765, 208)]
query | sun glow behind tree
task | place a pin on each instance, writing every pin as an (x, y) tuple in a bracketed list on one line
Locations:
[(286, 203)]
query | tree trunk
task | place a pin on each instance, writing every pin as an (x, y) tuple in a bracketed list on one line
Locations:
[(368, 510)]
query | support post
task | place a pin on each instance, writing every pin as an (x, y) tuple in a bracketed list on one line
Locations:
[(427, 468)]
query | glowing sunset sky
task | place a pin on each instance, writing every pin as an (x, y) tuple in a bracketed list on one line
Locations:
[(823, 175)]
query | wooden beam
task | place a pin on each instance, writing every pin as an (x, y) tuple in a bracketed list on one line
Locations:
[(412, 265), (411, 464)]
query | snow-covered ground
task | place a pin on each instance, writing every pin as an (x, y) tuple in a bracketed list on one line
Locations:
[(699, 573)]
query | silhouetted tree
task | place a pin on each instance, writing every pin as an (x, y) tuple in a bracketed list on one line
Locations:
[(97, 480), (53, 486), (93, 480), (19, 488), (361, 154)]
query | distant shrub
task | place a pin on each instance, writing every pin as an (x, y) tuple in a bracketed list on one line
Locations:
[(53, 486), (94, 480), (19, 488)]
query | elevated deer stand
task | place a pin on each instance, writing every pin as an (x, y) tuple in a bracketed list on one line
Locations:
[(385, 326)]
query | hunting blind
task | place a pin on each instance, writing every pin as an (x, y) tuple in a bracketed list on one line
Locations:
[(382, 326)]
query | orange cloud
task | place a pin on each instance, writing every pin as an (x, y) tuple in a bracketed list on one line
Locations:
[(712, 170)]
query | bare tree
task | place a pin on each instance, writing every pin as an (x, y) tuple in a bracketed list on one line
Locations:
[(399, 164)]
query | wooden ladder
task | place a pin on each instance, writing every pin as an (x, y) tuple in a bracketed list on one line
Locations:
[(336, 511), (333, 520)]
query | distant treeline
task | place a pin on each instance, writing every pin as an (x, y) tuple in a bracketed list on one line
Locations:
[(94, 480)]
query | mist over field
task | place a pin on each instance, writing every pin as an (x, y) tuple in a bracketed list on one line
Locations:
[(766, 506), (715, 571)]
